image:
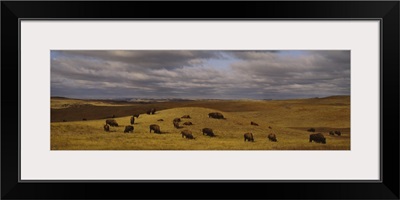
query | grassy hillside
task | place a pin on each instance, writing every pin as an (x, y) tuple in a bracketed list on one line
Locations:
[(288, 119)]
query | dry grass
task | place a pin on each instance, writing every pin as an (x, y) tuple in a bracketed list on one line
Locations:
[(289, 120)]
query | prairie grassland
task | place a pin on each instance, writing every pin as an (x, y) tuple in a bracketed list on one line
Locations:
[(288, 119)]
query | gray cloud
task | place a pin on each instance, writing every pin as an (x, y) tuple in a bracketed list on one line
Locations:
[(199, 74)]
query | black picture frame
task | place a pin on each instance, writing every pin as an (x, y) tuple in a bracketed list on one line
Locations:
[(386, 11)]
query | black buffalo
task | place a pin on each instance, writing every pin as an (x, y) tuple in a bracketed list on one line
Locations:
[(84, 119), (311, 130), (208, 132), (106, 128), (216, 115), (132, 120), (338, 133), (136, 115), (177, 120), (111, 122), (269, 127), (160, 120), (186, 116), (176, 124), (248, 137), (187, 134), (155, 128), (253, 123), (272, 137), (188, 123), (331, 133), (128, 129), (318, 138), (148, 112)]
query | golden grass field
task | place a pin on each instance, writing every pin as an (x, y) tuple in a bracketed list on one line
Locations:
[(288, 119)]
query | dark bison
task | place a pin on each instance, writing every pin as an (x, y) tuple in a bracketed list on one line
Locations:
[(272, 137), (331, 133), (176, 124), (253, 123), (160, 120), (188, 123), (311, 130), (186, 116), (136, 115), (151, 111), (155, 128), (338, 133), (208, 132), (106, 128), (269, 127), (111, 122), (249, 137), (318, 138), (215, 115), (84, 119), (128, 129), (187, 134), (132, 120), (177, 120), (148, 112)]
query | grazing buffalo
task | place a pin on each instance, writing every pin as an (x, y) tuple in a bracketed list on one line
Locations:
[(136, 115), (160, 120), (249, 137), (311, 130), (331, 133), (148, 112), (111, 122), (186, 116), (132, 120), (269, 127), (208, 132), (338, 133), (188, 123), (318, 138), (128, 129), (155, 128), (215, 115), (153, 111), (272, 137), (177, 120), (253, 123), (106, 128), (187, 134), (176, 124)]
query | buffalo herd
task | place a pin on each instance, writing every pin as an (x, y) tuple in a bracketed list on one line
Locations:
[(249, 137)]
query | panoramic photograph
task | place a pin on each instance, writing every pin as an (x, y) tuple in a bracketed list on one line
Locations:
[(200, 100)]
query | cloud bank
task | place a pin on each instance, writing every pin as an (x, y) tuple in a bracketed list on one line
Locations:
[(199, 74)]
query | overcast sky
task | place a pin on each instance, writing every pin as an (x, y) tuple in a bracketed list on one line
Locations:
[(200, 74)]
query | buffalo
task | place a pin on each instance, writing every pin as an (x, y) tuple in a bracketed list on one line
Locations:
[(188, 123), (132, 120), (253, 123), (152, 111), (187, 134), (106, 128), (249, 137), (186, 116), (215, 115), (311, 130), (208, 132), (128, 129), (176, 124), (155, 128), (177, 120), (160, 120), (136, 115), (318, 138), (331, 133), (84, 119), (111, 122), (148, 112), (272, 137), (338, 133), (64, 120), (269, 127)]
